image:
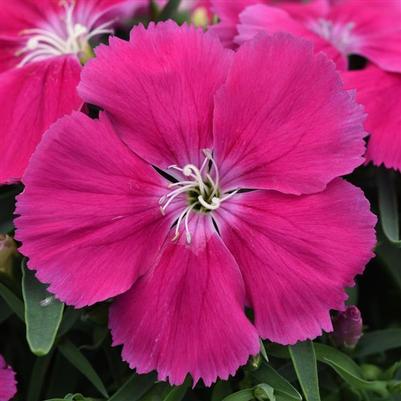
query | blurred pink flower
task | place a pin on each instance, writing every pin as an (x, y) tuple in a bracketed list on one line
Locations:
[(371, 28), (229, 11), (8, 385), (254, 213), (41, 46), (380, 93)]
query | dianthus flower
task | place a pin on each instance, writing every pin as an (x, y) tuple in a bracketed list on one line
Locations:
[(380, 93), (229, 11), (8, 385), (42, 45), (209, 183), (371, 28)]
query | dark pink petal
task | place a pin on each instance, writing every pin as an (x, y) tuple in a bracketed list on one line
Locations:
[(377, 29), (158, 90), (17, 15), (380, 93), (32, 98), (8, 385), (262, 18), (305, 10), (228, 13), (283, 120), (9, 46), (297, 254), (187, 314), (90, 220)]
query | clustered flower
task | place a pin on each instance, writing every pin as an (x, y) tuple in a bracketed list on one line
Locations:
[(211, 180)]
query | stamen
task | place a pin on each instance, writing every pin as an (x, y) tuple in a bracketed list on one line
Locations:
[(44, 43), (201, 190)]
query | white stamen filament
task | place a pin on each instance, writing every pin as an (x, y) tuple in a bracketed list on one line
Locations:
[(203, 192), (43, 43)]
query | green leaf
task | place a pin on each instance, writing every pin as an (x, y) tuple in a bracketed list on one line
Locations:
[(391, 257), (378, 341), (304, 361), (388, 206), (77, 359), (266, 374), (220, 390), (242, 395), (39, 373), (264, 392), (43, 313), (12, 301), (178, 393), (169, 10), (134, 388), (348, 370)]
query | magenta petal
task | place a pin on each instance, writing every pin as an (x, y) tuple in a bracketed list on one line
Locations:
[(376, 29), (158, 90), (32, 98), (380, 93), (187, 314), (90, 220), (262, 18), (297, 253), (8, 385), (292, 129)]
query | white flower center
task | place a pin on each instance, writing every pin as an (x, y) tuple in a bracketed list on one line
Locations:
[(339, 35), (70, 37), (201, 188)]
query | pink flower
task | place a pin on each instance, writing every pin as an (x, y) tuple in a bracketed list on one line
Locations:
[(380, 93), (229, 11), (41, 46), (371, 28), (190, 252), (8, 385)]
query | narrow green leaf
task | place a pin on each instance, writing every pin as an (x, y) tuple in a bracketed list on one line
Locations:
[(134, 388), (378, 341), (77, 359), (169, 10), (266, 374), (388, 206), (5, 311), (43, 313), (177, 393), (242, 395), (391, 256), (220, 390), (348, 370), (305, 365), (39, 373), (12, 301)]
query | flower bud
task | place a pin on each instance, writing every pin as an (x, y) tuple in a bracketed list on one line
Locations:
[(8, 249), (347, 327)]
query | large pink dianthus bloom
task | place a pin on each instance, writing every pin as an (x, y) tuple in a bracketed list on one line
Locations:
[(41, 45), (370, 28), (8, 385), (380, 93), (254, 213)]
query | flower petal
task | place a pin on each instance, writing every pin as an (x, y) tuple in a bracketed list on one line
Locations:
[(158, 90), (8, 385), (292, 129), (377, 29), (32, 98), (262, 18), (187, 314), (297, 254), (380, 93), (90, 220)]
